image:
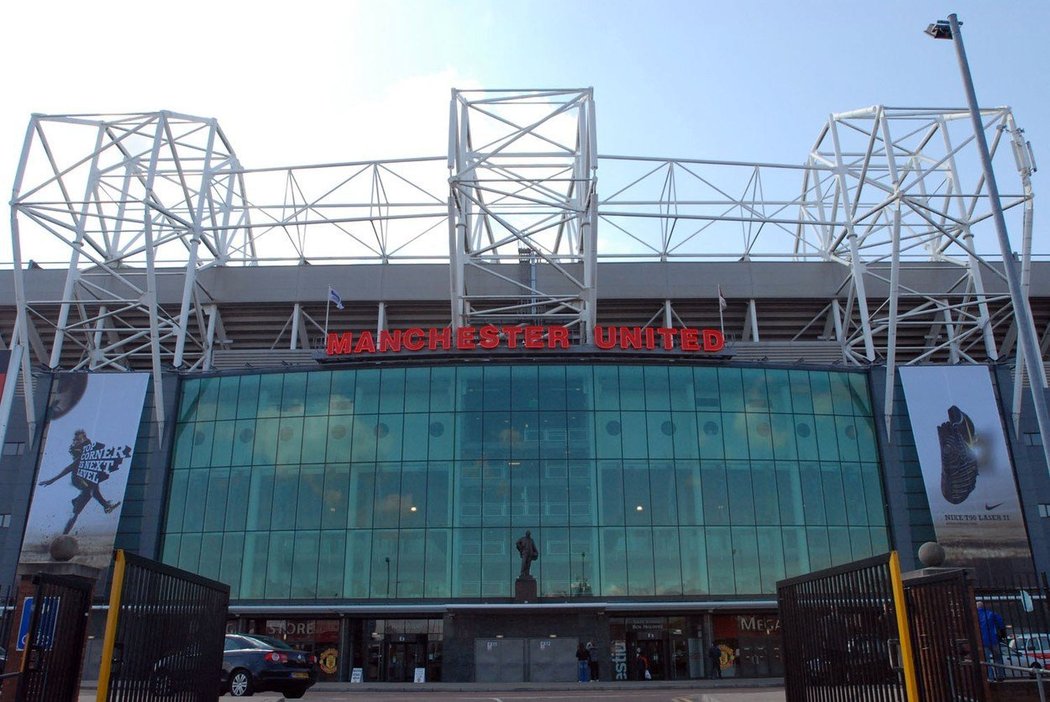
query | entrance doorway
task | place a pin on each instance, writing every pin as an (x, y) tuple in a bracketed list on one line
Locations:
[(402, 654), (647, 653)]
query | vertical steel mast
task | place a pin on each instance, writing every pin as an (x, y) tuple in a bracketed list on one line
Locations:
[(523, 208), (137, 204)]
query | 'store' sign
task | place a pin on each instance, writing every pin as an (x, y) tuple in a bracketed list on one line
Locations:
[(530, 338)]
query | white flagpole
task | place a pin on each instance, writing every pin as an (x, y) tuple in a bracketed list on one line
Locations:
[(327, 304), (721, 322)]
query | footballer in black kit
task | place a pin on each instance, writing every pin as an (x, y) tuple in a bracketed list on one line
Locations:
[(91, 465)]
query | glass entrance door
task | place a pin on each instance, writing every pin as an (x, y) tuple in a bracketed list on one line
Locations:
[(403, 657)]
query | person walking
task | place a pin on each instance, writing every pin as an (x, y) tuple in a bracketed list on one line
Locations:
[(583, 663), (714, 655), (992, 631), (641, 662)]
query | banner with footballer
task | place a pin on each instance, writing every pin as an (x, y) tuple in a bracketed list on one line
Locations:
[(93, 419), (966, 466)]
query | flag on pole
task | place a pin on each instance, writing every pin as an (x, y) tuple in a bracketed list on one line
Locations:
[(333, 296), (721, 299)]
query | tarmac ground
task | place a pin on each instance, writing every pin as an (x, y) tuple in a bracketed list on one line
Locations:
[(726, 690)]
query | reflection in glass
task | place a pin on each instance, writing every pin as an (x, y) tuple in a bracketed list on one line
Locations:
[(640, 480)]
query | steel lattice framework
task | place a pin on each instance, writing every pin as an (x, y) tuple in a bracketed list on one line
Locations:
[(139, 203)]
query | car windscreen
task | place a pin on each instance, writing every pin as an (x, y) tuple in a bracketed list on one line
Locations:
[(268, 642)]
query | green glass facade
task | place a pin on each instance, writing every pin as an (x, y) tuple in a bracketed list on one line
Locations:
[(414, 482)]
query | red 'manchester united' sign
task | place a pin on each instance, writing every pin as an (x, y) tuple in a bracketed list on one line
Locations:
[(535, 338)]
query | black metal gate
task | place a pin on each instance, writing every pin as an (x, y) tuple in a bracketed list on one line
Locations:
[(164, 635), (842, 634), (942, 617), (54, 641)]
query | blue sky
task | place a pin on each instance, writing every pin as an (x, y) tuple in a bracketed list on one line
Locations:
[(318, 82)]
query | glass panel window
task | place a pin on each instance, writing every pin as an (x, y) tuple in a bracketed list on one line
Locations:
[(820, 385), (660, 430), (318, 392), (664, 502), (417, 390), (632, 388), (667, 561), (746, 561), (778, 384), (614, 562), (496, 563), (227, 403), (741, 497), (357, 573), (334, 502), (330, 559), (770, 557), (715, 491), (606, 388), (311, 491), (438, 563), (731, 389), (392, 391), (640, 566), (270, 395), (285, 497), (414, 482), (231, 562), (304, 564), (366, 392), (689, 493), (694, 561), (682, 394), (657, 389), (248, 397), (720, 560), (293, 396), (610, 494), (637, 496), (734, 428), (754, 383)]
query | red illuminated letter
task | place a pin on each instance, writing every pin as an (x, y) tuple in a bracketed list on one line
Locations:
[(339, 344)]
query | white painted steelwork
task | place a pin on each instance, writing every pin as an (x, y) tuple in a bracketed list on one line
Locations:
[(140, 204)]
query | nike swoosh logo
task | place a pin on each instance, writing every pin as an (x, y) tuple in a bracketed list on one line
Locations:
[(991, 507)]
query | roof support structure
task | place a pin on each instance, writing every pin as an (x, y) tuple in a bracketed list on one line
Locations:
[(523, 190), (137, 208)]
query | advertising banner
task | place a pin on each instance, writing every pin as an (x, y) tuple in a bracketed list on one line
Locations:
[(966, 466), (93, 420)]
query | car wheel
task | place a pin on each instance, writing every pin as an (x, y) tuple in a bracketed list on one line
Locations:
[(241, 683), (1034, 667)]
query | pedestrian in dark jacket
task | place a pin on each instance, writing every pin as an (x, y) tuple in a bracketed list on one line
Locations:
[(714, 655), (583, 663)]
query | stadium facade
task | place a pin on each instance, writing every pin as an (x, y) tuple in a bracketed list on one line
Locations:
[(362, 384)]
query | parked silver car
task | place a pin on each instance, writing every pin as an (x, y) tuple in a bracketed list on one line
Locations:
[(1027, 651)]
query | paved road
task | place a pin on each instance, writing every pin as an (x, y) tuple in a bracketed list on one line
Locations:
[(701, 691), (714, 695)]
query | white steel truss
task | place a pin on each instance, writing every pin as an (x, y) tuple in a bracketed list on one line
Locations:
[(136, 204), (523, 191)]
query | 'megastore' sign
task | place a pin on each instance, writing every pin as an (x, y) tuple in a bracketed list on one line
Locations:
[(532, 338)]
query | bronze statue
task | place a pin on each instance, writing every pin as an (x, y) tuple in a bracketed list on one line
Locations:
[(527, 548)]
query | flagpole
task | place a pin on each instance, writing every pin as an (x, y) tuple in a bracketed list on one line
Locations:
[(327, 304), (721, 304)]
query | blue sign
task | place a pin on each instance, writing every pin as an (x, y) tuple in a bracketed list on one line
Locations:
[(46, 627)]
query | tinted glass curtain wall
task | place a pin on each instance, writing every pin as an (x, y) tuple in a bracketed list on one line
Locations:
[(635, 480)]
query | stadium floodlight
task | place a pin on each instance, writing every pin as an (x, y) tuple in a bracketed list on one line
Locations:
[(941, 29), (1029, 344)]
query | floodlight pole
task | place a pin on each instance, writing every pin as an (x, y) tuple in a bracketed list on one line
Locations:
[(1033, 360)]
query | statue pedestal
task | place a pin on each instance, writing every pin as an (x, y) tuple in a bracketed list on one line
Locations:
[(525, 589)]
